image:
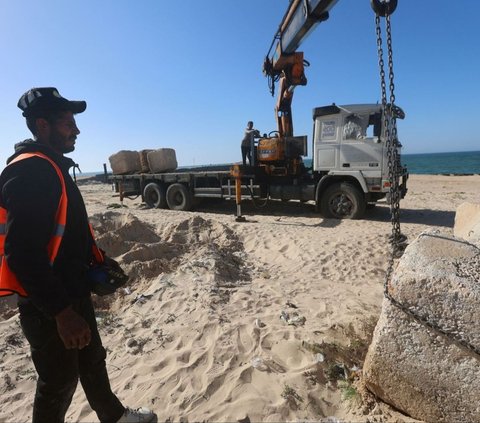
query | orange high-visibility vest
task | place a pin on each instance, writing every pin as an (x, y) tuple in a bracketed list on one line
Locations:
[(9, 283)]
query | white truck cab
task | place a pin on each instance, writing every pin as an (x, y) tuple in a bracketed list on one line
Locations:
[(350, 156)]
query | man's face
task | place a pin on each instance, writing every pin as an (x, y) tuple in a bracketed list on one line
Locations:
[(63, 133)]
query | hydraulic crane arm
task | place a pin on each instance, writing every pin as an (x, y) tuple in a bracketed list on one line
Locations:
[(300, 19), (283, 63)]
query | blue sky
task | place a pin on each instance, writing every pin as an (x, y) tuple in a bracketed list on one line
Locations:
[(188, 74)]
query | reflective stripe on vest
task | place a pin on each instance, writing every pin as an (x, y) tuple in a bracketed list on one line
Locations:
[(9, 283)]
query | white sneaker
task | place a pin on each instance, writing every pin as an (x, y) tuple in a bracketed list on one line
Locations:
[(139, 415)]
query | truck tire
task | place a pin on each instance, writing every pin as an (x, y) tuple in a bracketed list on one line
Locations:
[(155, 196), (179, 197), (342, 201)]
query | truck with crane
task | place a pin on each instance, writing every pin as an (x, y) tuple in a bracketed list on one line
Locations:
[(351, 161)]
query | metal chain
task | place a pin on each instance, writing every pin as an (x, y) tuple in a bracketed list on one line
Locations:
[(394, 169), (390, 131)]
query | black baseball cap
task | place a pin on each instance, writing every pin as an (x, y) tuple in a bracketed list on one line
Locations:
[(37, 100)]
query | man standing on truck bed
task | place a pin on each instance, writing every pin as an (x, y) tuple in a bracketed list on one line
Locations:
[(46, 248), (248, 144)]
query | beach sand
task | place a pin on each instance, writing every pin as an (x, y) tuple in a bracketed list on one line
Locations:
[(267, 320)]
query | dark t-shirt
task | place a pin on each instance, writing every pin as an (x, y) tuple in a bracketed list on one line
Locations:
[(249, 134)]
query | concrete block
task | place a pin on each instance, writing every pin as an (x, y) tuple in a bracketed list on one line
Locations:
[(162, 160), (413, 367), (125, 162)]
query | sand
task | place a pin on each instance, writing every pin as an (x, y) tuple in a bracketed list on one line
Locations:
[(267, 320)]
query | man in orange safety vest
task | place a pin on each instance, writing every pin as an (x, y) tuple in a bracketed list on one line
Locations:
[(46, 251)]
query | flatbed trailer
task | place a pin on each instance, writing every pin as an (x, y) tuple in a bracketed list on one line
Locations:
[(181, 190)]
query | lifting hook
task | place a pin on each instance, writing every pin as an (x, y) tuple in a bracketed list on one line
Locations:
[(383, 7)]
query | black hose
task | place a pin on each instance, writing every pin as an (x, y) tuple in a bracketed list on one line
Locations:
[(253, 199)]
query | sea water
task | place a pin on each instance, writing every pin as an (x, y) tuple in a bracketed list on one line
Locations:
[(460, 163)]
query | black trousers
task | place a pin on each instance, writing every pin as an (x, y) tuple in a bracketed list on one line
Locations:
[(59, 369), (246, 152)]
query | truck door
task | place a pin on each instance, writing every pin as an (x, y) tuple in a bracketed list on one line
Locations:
[(326, 142), (362, 148)]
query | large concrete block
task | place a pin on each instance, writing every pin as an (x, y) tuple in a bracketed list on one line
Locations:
[(467, 223), (162, 160), (415, 368), (125, 162)]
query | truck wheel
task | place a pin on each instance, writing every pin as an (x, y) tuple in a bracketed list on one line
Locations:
[(154, 195), (342, 201), (178, 197)]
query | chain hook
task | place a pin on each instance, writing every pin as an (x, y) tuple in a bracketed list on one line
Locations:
[(383, 7)]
